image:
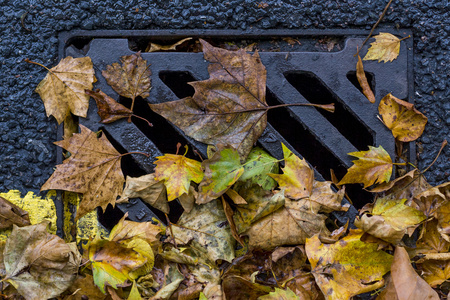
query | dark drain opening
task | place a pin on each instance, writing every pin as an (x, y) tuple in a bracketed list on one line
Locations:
[(315, 91), (311, 149), (81, 43), (178, 82), (351, 76)]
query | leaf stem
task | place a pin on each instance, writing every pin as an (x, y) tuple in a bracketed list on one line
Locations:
[(444, 143), (327, 107), (404, 38), (36, 63), (136, 116)]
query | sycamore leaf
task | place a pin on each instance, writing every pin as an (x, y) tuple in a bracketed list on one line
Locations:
[(130, 80), (362, 79), (40, 265), (348, 267), (257, 168), (152, 47), (405, 122), (430, 200), (93, 169), (221, 172), (443, 217), (148, 189), (170, 281), (85, 287), (177, 172), (431, 240), (405, 281), (435, 272), (134, 293), (206, 224), (385, 48), (280, 294), (372, 166), (62, 90), (229, 108), (11, 214), (108, 109), (297, 177)]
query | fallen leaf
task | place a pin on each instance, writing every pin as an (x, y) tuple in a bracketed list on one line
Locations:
[(280, 294), (431, 240), (221, 172), (327, 199), (385, 48), (85, 287), (430, 200), (435, 272), (134, 293), (62, 90), (152, 47), (177, 172), (236, 287), (405, 122), (228, 109), (362, 79), (148, 189), (372, 166), (257, 168), (297, 177), (408, 285), (443, 217), (206, 224), (108, 109), (11, 214), (93, 169), (348, 267), (171, 281), (130, 80), (40, 265)]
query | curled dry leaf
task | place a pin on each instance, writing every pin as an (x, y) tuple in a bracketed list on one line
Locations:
[(362, 79), (62, 90), (109, 109), (40, 265), (297, 177), (348, 267), (11, 214), (372, 166), (227, 109), (93, 169), (152, 47), (385, 48), (177, 172), (131, 79), (405, 122)]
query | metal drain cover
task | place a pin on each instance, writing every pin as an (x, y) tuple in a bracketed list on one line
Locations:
[(320, 69)]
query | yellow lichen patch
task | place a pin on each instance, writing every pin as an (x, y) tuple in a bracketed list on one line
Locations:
[(38, 208)]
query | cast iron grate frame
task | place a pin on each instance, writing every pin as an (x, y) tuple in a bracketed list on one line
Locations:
[(106, 47)]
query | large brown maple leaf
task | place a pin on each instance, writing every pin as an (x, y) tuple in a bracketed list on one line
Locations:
[(93, 169)]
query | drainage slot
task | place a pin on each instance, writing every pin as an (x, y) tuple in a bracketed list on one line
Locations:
[(351, 76), (177, 81), (311, 149), (315, 91)]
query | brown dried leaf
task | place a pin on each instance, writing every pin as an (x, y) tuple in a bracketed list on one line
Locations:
[(93, 169), (130, 80), (385, 48), (362, 79), (84, 287), (405, 122), (11, 214), (108, 109), (62, 90), (152, 47), (218, 113)]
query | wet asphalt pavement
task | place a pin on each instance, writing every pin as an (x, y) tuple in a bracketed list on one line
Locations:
[(29, 29)]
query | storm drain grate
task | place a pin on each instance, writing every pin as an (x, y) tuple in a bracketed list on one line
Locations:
[(319, 67)]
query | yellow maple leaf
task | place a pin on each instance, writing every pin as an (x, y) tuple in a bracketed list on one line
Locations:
[(385, 48), (177, 171), (62, 90), (372, 166)]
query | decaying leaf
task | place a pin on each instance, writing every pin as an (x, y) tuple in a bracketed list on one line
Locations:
[(406, 283), (108, 109), (130, 80), (206, 224), (85, 287), (257, 168), (93, 169), (148, 189), (297, 177), (385, 48), (362, 79), (372, 166), (152, 47), (134, 293), (62, 90), (11, 214), (348, 267), (177, 172), (228, 109), (405, 122), (170, 282), (221, 172), (40, 265), (280, 294)]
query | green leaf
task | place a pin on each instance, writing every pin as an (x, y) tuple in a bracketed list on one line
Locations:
[(257, 167), (280, 294)]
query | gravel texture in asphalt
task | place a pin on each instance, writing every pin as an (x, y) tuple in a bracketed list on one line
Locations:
[(29, 29)]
